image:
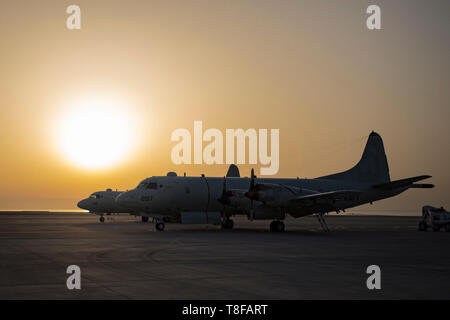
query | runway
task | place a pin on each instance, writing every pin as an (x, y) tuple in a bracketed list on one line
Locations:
[(127, 259)]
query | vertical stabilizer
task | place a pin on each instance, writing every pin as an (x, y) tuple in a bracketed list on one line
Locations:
[(372, 168)]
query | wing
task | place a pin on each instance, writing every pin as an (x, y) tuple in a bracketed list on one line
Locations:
[(325, 198)]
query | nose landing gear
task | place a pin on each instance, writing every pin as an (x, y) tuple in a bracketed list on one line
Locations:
[(102, 219), (160, 226)]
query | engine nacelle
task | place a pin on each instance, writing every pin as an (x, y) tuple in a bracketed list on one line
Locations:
[(276, 195)]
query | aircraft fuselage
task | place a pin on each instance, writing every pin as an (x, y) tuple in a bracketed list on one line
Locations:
[(172, 195)]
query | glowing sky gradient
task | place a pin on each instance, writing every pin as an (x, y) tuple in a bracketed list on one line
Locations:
[(309, 68)]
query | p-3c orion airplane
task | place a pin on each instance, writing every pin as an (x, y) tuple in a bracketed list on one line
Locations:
[(215, 200), (101, 203)]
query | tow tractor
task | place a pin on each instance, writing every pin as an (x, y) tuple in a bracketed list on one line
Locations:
[(436, 218)]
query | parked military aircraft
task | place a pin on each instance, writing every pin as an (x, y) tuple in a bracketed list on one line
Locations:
[(215, 200), (101, 203)]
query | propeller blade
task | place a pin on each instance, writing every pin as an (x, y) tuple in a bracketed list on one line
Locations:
[(252, 180), (224, 197), (251, 192), (224, 186)]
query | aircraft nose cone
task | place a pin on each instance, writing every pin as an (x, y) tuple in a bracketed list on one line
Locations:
[(82, 204)]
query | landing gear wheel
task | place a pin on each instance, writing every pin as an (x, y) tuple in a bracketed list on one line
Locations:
[(102, 219), (436, 229), (144, 219), (227, 224), (272, 226), (277, 226), (160, 226), (447, 227), (423, 226)]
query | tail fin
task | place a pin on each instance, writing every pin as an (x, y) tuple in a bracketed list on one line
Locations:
[(372, 168)]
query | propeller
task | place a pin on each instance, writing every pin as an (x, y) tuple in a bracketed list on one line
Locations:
[(224, 198), (251, 193)]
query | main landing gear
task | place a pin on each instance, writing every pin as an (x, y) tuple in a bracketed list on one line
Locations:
[(160, 226), (227, 223), (276, 226)]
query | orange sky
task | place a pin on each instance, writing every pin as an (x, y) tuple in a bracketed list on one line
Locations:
[(308, 68)]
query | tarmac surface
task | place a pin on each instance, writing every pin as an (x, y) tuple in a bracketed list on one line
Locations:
[(124, 258)]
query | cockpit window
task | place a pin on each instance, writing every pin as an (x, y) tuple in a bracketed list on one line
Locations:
[(95, 196), (142, 185), (147, 185)]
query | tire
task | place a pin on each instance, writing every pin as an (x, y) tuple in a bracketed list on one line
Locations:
[(160, 226), (422, 226), (447, 227), (277, 226), (144, 219), (272, 226), (102, 219), (228, 224), (436, 229)]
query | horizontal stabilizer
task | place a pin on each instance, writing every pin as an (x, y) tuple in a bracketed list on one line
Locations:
[(326, 197), (400, 183), (422, 185)]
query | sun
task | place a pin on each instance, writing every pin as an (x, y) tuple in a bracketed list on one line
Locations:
[(96, 133)]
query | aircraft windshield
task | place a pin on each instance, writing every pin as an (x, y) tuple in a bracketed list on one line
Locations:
[(142, 185), (147, 185)]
